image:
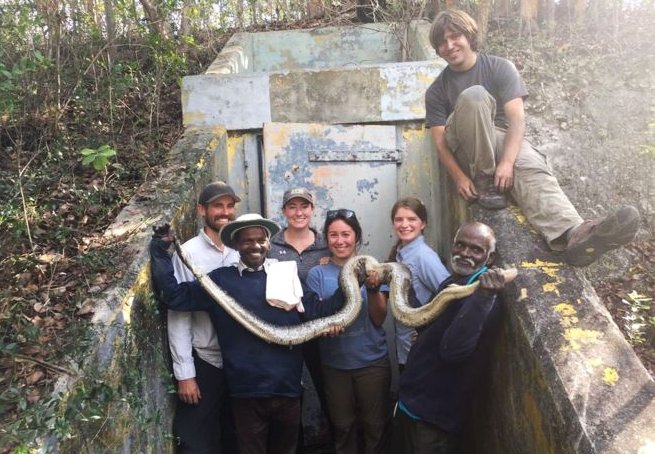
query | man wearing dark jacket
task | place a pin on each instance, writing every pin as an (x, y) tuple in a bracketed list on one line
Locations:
[(436, 385)]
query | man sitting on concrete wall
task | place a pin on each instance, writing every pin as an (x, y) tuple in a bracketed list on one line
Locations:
[(475, 111), (437, 383), (197, 362)]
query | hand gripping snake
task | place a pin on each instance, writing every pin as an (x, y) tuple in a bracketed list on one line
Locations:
[(395, 275)]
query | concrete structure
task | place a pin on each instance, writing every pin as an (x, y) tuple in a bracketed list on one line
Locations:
[(329, 109)]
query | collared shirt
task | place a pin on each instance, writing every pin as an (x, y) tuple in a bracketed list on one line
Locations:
[(189, 331), (264, 266)]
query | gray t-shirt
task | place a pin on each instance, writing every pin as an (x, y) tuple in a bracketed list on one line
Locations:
[(497, 75)]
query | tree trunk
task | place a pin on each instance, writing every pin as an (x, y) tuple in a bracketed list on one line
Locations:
[(483, 20), (157, 23), (529, 10), (185, 21), (110, 25)]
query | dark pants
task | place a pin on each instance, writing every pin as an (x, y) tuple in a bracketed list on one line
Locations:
[(360, 399), (206, 428), (267, 425), (417, 437)]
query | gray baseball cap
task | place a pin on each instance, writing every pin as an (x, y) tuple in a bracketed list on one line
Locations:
[(299, 193), (215, 190)]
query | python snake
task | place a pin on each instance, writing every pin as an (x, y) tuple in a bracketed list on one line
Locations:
[(395, 275)]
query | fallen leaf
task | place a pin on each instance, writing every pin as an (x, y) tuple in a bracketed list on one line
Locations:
[(35, 377)]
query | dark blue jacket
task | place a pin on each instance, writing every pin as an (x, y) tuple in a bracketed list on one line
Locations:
[(447, 357), (253, 367)]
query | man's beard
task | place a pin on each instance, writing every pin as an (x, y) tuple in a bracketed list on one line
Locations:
[(456, 265), (216, 226)]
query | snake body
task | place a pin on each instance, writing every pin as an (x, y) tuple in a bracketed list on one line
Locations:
[(396, 275), (285, 335)]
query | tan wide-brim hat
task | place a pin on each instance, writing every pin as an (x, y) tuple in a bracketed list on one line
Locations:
[(244, 221)]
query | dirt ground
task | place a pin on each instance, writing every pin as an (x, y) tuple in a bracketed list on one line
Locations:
[(592, 110)]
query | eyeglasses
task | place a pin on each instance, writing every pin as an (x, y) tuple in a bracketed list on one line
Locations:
[(340, 213)]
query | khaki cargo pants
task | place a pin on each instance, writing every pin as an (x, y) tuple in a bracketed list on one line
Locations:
[(478, 145)]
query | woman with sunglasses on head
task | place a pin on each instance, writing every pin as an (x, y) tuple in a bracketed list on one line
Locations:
[(410, 217), (355, 361)]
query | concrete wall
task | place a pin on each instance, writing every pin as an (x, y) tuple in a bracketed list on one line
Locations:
[(331, 75), (381, 93), (563, 379)]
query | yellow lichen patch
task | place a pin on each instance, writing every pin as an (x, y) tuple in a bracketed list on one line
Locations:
[(234, 145), (610, 376), (568, 314), (551, 287), (193, 118), (517, 213), (568, 322), (424, 78), (550, 268), (413, 135), (213, 143), (576, 338), (279, 137), (565, 309)]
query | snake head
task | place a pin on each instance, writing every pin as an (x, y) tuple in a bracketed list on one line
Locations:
[(163, 232)]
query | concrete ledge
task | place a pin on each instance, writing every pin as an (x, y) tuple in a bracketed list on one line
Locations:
[(383, 93), (126, 376), (564, 378)]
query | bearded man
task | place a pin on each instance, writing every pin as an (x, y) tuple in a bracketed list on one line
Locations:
[(202, 399)]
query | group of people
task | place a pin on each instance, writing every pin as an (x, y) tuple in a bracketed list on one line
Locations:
[(261, 386), (230, 378)]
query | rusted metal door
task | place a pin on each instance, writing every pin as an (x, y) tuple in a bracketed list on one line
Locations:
[(351, 167)]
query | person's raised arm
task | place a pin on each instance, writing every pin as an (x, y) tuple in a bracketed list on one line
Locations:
[(514, 112), (461, 338), (185, 296), (463, 183)]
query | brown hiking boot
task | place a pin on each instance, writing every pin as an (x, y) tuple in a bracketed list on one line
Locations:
[(591, 239), (488, 196)]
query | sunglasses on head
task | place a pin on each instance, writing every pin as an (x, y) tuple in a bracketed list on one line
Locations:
[(340, 213)]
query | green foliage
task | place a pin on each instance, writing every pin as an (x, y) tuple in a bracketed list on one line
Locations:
[(18, 80), (97, 157), (637, 319)]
